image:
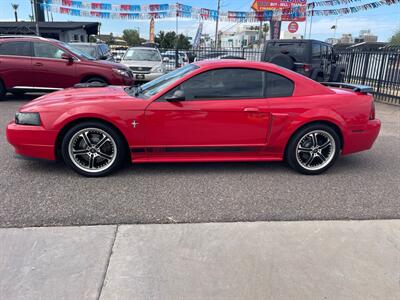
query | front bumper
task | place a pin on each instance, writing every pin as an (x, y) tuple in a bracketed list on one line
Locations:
[(146, 76), (361, 139), (32, 141)]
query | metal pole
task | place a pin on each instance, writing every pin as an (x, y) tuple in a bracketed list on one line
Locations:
[(260, 34), (334, 30), (309, 34), (47, 12), (177, 37), (216, 25), (36, 17), (305, 28)]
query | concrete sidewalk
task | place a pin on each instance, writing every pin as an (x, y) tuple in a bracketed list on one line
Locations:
[(263, 260)]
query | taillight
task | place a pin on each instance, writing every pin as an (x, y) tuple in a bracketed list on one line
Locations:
[(307, 67), (372, 113)]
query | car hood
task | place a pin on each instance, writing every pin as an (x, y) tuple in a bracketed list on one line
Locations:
[(136, 63), (80, 96)]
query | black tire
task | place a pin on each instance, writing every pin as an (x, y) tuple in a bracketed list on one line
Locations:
[(3, 91), (297, 158), (336, 74), (107, 158), (320, 78), (95, 79), (283, 61)]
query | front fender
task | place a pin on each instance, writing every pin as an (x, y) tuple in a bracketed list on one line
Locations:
[(86, 111)]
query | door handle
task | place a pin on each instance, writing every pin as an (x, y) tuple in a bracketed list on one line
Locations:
[(251, 109), (38, 64)]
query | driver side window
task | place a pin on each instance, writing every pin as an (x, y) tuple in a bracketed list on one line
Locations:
[(47, 50), (223, 84)]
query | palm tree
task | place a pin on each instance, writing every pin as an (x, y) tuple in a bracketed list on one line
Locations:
[(15, 7)]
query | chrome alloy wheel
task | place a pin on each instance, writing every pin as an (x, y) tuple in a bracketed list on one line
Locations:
[(92, 150), (315, 150)]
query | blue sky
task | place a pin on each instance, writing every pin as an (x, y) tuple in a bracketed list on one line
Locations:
[(382, 21)]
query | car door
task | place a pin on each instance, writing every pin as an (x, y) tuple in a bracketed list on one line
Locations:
[(224, 109), (16, 64), (49, 69)]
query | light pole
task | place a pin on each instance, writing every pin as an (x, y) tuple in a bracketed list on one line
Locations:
[(35, 12), (216, 25), (15, 7)]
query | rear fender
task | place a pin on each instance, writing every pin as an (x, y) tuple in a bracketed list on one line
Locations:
[(283, 126)]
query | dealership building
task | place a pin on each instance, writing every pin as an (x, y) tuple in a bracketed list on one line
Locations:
[(63, 31)]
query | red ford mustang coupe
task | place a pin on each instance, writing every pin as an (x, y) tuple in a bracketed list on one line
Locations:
[(226, 110)]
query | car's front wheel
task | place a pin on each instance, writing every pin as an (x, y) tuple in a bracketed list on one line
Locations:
[(95, 80), (93, 149), (313, 149)]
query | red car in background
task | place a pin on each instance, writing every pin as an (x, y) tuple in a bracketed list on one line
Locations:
[(37, 64), (228, 110)]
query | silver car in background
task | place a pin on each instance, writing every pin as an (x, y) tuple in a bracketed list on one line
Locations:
[(145, 63)]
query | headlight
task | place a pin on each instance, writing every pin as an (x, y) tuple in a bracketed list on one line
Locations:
[(157, 69), (27, 118), (122, 72)]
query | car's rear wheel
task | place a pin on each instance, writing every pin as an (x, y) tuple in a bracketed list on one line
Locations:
[(320, 78), (93, 149), (313, 149)]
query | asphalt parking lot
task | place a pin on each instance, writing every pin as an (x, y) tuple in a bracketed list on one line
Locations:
[(360, 186)]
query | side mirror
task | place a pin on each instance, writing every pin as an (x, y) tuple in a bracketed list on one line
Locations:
[(103, 57), (176, 97), (166, 60), (67, 56)]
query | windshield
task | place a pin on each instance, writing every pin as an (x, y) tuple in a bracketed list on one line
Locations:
[(142, 55), (153, 87), (77, 52), (87, 49)]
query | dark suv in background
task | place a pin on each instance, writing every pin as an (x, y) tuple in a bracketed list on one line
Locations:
[(30, 64), (99, 51), (312, 58)]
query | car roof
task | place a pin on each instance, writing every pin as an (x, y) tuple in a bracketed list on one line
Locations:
[(27, 39), (144, 48), (233, 62), (293, 41), (85, 44)]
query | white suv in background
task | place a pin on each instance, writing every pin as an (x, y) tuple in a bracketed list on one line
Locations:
[(146, 63)]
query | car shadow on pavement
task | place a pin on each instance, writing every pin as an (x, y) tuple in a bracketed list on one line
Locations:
[(344, 165)]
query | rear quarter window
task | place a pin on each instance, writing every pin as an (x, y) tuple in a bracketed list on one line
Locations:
[(16, 48), (278, 86)]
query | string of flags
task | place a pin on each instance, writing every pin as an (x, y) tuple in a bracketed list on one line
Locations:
[(161, 11), (296, 11), (347, 10)]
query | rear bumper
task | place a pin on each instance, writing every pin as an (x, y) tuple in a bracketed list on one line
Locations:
[(363, 138), (32, 141)]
